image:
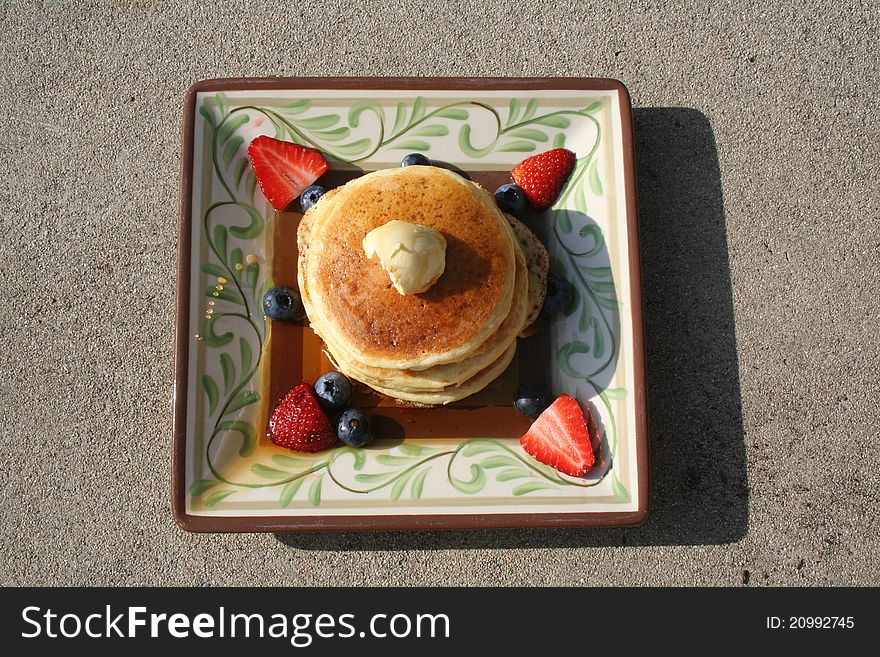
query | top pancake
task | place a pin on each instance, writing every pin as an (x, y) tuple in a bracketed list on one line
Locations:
[(352, 297), (449, 375)]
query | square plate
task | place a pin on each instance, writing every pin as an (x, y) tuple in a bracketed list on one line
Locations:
[(453, 467)]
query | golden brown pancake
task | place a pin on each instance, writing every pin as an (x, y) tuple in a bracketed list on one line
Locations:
[(443, 376), (350, 299)]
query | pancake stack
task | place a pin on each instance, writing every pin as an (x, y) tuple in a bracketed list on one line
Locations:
[(443, 344)]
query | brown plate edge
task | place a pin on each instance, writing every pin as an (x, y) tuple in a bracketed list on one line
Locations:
[(197, 523), (181, 326)]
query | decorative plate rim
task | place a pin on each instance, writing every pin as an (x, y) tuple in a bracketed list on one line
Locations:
[(214, 523)]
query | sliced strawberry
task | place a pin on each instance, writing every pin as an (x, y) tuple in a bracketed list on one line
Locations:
[(560, 438), (284, 169), (298, 423), (542, 176)]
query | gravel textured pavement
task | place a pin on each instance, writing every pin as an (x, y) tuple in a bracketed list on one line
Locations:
[(758, 143)]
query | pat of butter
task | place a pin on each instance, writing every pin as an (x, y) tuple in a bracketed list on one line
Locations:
[(413, 255)]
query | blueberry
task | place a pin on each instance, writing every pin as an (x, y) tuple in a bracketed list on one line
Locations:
[(559, 294), (414, 159), (283, 304), (531, 399), (310, 196), (510, 199), (333, 390), (354, 428)]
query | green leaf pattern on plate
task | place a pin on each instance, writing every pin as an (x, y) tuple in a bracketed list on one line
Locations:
[(234, 222)]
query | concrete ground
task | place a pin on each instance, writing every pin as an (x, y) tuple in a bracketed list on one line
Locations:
[(758, 140)]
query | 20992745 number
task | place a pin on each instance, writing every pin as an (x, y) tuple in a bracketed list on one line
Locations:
[(820, 622)]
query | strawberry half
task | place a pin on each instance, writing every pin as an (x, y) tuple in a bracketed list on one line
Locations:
[(542, 176), (284, 169), (560, 438), (298, 423)]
